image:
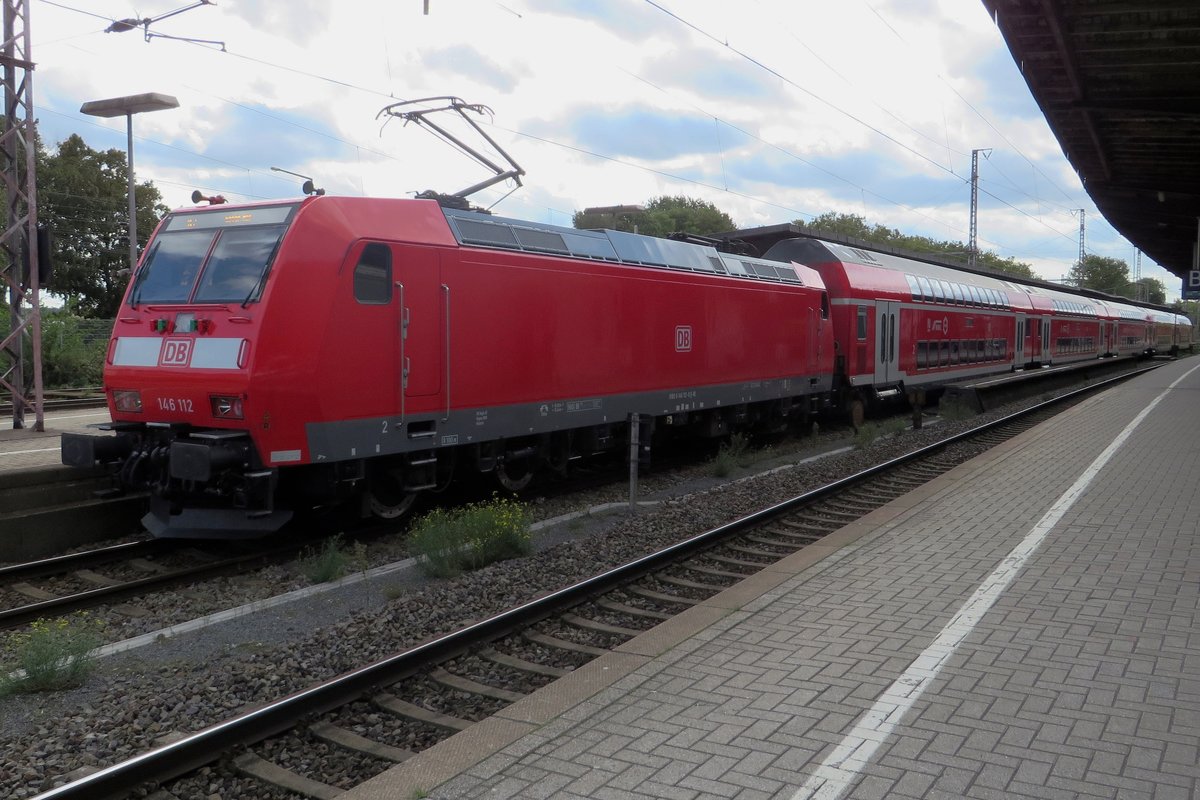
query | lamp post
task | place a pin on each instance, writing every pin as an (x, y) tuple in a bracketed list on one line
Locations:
[(128, 106)]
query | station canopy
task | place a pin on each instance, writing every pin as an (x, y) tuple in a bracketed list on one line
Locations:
[(1119, 84)]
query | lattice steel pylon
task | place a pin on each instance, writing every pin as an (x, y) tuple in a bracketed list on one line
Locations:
[(18, 241)]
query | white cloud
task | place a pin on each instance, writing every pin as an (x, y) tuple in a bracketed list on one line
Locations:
[(890, 96)]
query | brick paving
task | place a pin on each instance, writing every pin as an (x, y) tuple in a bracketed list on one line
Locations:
[(1082, 681)]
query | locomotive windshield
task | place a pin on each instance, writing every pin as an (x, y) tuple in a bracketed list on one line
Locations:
[(211, 257)]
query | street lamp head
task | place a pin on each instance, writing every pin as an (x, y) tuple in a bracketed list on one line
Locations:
[(129, 104), (126, 107)]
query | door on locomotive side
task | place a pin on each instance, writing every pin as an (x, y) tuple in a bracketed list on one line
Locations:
[(384, 340), (422, 317), (887, 334)]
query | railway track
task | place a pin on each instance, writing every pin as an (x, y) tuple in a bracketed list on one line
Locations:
[(338, 733), (62, 585), (59, 399)]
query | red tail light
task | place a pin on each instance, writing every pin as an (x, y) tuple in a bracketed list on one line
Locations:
[(226, 406)]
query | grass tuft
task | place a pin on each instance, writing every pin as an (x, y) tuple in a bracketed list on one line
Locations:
[(448, 542), (732, 454), (53, 654), (870, 431), (332, 561)]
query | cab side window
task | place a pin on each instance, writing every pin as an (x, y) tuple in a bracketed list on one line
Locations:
[(373, 275)]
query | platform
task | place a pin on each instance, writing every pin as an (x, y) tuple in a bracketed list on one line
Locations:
[(1024, 626), (29, 449)]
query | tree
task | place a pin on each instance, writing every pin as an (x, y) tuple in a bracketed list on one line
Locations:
[(858, 227), (662, 216), (1102, 274), (1150, 290), (83, 196)]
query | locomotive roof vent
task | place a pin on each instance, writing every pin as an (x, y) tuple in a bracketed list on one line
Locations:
[(473, 228)]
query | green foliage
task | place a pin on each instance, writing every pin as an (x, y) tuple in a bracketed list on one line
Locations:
[(53, 654), (955, 410), (448, 542), (663, 216), (1102, 274), (857, 227), (73, 349), (83, 196), (870, 431), (331, 561), (1149, 290), (1189, 307), (732, 454)]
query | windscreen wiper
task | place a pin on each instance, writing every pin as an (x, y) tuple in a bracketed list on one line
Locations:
[(262, 276)]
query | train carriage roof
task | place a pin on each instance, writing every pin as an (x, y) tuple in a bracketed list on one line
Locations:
[(763, 239)]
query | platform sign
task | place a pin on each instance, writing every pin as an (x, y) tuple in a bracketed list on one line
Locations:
[(1191, 285)]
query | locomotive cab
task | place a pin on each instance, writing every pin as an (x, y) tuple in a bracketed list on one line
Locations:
[(178, 374)]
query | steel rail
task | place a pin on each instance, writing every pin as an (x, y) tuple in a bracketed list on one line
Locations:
[(176, 759), (92, 597), (73, 561)]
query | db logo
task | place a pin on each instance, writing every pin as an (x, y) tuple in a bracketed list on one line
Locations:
[(175, 353), (683, 338)]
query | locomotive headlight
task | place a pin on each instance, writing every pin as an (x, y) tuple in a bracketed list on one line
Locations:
[(226, 406), (128, 400)]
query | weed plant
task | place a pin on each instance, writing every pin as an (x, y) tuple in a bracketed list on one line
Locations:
[(53, 654), (332, 561), (870, 431), (448, 542), (955, 411), (732, 454)]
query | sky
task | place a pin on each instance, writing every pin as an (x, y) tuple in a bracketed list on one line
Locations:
[(774, 111)]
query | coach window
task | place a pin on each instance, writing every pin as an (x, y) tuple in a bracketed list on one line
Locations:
[(373, 275), (913, 287), (922, 355), (862, 323), (926, 290), (957, 289), (938, 293)]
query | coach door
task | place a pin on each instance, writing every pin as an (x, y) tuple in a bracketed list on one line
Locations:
[(887, 349)]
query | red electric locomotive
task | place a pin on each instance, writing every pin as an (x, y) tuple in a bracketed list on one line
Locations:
[(283, 355)]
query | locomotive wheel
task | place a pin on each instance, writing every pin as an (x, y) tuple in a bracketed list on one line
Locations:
[(514, 476), (386, 498)]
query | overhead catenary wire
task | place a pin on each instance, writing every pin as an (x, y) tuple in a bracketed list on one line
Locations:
[(343, 83)]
